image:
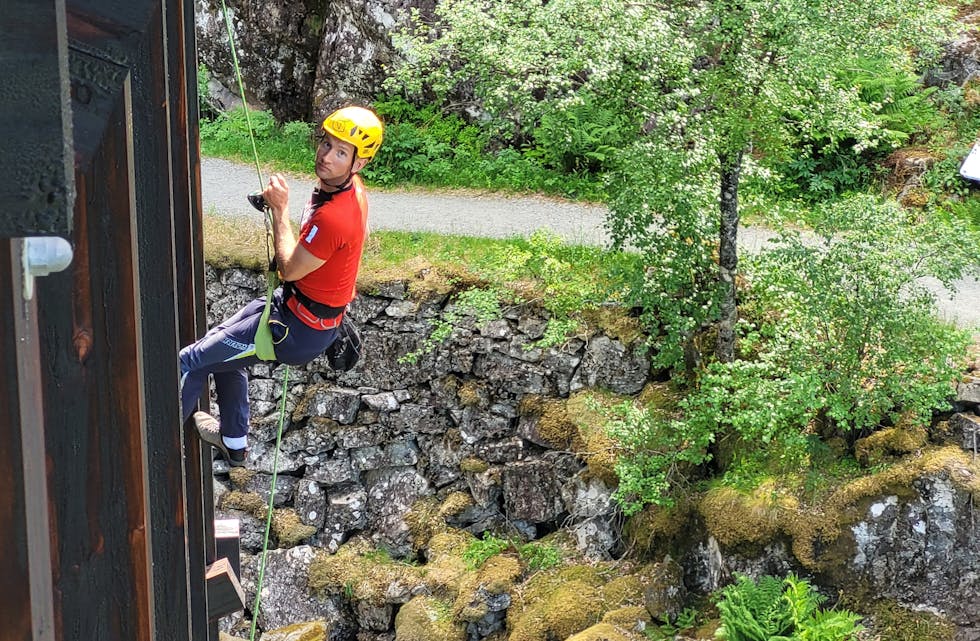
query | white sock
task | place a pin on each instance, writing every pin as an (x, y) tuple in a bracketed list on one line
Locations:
[(235, 442)]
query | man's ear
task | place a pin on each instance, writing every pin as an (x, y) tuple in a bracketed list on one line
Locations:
[(358, 164)]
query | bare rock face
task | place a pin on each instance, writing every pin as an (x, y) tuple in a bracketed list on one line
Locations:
[(300, 60)]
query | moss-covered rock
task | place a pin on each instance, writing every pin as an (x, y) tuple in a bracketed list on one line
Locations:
[(311, 631), (426, 618), (605, 632), (595, 446), (887, 444), (455, 504), (614, 321), (240, 477), (734, 517), (473, 465), (360, 573), (246, 502), (548, 423), (634, 618), (423, 521), (815, 530), (653, 531), (288, 529), (477, 592), (889, 620), (557, 604), (625, 590), (664, 594), (446, 569), (471, 394)]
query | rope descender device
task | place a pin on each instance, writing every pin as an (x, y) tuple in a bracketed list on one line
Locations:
[(265, 348)]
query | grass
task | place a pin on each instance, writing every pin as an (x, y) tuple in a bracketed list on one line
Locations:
[(572, 282)]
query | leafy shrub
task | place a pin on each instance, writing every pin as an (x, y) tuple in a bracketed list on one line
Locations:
[(666, 210), (652, 448), (856, 331), (965, 210), (841, 331), (580, 137), (429, 146), (944, 175), (205, 108), (898, 108), (774, 610)]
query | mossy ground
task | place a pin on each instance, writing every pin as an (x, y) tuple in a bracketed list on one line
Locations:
[(892, 622)]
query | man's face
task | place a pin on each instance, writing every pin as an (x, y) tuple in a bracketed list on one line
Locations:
[(335, 159)]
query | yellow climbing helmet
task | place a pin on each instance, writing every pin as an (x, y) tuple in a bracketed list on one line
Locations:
[(358, 126)]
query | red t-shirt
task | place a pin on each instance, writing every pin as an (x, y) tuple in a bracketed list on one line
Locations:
[(333, 229)]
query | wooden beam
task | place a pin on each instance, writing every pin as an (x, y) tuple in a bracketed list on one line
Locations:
[(92, 380), (35, 131), (25, 583)]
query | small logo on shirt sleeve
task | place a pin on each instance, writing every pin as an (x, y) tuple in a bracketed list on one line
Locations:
[(313, 230)]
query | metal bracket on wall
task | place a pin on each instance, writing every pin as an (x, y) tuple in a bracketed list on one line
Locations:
[(43, 255)]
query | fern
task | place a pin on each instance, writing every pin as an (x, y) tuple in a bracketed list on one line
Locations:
[(780, 610)]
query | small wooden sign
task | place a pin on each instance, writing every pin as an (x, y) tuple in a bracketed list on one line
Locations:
[(225, 595)]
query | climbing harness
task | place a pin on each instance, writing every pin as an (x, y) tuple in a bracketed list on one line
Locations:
[(264, 343)]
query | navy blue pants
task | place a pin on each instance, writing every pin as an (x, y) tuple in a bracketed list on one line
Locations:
[(228, 348)]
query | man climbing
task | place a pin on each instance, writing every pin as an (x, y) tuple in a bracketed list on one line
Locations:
[(319, 273)]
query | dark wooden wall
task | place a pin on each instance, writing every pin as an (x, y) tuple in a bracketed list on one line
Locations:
[(104, 500)]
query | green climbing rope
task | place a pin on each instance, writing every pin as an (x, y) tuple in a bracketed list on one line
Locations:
[(268, 516), (264, 348), (264, 344)]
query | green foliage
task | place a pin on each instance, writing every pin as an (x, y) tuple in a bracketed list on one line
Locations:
[(539, 556), (892, 102), (774, 610), (902, 106), (856, 332), (686, 619), (664, 210), (944, 176), (478, 551), (965, 210), (205, 109), (428, 146), (481, 304), (581, 137), (652, 449), (839, 330), (288, 147)]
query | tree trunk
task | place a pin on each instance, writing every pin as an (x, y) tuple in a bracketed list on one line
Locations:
[(731, 165)]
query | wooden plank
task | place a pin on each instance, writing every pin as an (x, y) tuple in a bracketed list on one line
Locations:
[(35, 131), (25, 583), (191, 311), (151, 67), (94, 420), (225, 594)]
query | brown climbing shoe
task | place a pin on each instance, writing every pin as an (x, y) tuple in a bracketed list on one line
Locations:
[(208, 430)]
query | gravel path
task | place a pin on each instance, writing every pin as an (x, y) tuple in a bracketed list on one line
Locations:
[(224, 185)]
